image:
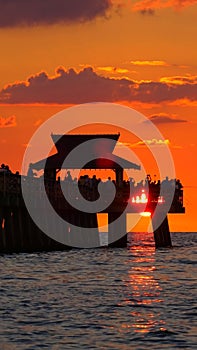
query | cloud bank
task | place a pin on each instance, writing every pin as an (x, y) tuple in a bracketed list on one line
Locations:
[(71, 87), (40, 12)]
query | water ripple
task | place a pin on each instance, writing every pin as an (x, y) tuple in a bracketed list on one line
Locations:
[(101, 299)]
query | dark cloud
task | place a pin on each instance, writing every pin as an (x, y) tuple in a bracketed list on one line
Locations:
[(160, 91), (35, 12), (163, 119), (147, 11), (149, 6), (70, 87), (7, 122), (67, 87)]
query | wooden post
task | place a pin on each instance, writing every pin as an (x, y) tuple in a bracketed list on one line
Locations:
[(161, 233), (17, 229), (117, 226), (89, 220), (2, 231)]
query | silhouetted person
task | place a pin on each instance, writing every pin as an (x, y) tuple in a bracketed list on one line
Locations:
[(30, 172), (68, 177), (178, 185), (5, 169), (94, 181), (2, 168), (8, 169)]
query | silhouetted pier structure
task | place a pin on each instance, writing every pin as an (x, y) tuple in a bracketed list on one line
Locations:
[(19, 233)]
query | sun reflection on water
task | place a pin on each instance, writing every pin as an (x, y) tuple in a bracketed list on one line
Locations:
[(142, 289)]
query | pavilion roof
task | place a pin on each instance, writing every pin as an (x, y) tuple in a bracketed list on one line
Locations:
[(66, 143), (56, 162), (102, 146)]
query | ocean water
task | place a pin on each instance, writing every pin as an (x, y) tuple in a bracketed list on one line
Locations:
[(129, 298)]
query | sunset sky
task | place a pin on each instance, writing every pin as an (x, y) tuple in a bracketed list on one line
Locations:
[(139, 53)]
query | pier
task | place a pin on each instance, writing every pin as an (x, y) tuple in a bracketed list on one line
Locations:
[(18, 231)]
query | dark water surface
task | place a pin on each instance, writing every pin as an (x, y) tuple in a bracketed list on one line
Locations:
[(134, 298)]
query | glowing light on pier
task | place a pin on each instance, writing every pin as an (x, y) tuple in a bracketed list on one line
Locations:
[(140, 199), (146, 213), (143, 199), (161, 199)]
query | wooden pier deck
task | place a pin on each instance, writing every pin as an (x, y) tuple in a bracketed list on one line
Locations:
[(19, 233)]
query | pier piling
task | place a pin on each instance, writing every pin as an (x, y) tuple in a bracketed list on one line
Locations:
[(161, 233)]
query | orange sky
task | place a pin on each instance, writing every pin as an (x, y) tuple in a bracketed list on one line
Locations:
[(138, 53)]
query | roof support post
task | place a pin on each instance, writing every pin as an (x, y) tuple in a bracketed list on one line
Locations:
[(119, 177)]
